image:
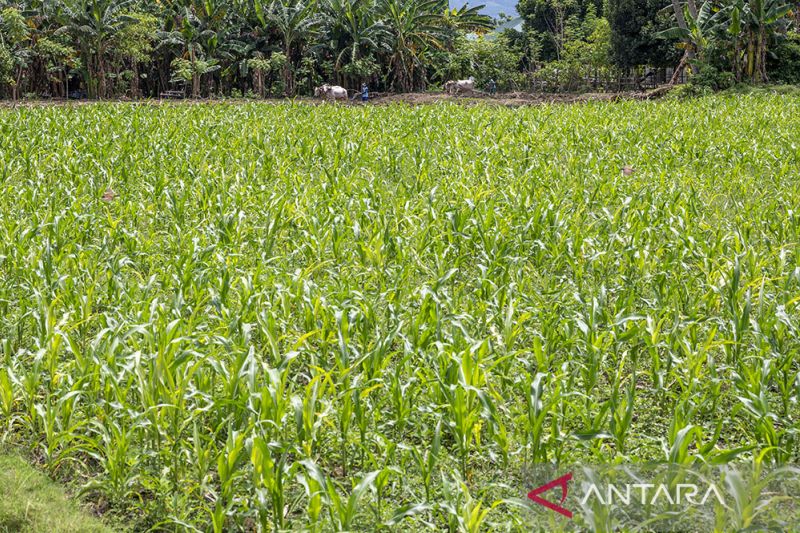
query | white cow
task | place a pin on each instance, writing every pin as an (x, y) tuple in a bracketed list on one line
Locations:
[(331, 92), (460, 86)]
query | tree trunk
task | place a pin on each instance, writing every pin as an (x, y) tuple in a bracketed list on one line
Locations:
[(195, 75), (288, 81), (692, 8), (681, 66), (737, 59), (762, 55), (101, 74), (258, 81), (676, 7), (17, 80), (135, 91), (91, 85)]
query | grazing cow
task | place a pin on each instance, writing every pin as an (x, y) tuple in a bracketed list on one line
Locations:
[(331, 92), (460, 86)]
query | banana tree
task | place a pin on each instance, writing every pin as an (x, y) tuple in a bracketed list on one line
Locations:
[(760, 20), (734, 12), (353, 34), (695, 29), (94, 24), (415, 26), (194, 28), (296, 21), (467, 19)]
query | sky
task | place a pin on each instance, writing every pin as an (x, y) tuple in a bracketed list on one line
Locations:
[(493, 7)]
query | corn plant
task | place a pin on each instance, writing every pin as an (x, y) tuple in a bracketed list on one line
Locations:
[(294, 317)]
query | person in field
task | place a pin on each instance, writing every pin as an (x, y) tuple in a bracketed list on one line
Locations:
[(364, 92), (491, 87)]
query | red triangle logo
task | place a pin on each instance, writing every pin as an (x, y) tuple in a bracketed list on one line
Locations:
[(560, 482)]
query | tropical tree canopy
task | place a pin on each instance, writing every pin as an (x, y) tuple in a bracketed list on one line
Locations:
[(109, 48)]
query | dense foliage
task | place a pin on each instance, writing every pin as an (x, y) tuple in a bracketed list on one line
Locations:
[(327, 319), (721, 40), (636, 39), (733, 37), (128, 47)]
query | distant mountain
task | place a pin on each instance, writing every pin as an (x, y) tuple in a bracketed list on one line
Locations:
[(493, 7)]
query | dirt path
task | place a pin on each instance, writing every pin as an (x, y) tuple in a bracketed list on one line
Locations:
[(506, 99), (517, 99)]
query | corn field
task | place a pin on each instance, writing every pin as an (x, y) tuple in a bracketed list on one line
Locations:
[(290, 317)]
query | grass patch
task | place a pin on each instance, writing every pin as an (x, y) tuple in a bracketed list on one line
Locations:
[(30, 502)]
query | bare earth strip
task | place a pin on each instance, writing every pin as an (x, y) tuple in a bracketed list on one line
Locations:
[(517, 99)]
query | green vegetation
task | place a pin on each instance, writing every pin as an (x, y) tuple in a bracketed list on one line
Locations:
[(29, 502), (343, 318), (720, 42), (731, 40), (112, 48)]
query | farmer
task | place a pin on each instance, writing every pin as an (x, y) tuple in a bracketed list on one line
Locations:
[(491, 86), (364, 92)]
